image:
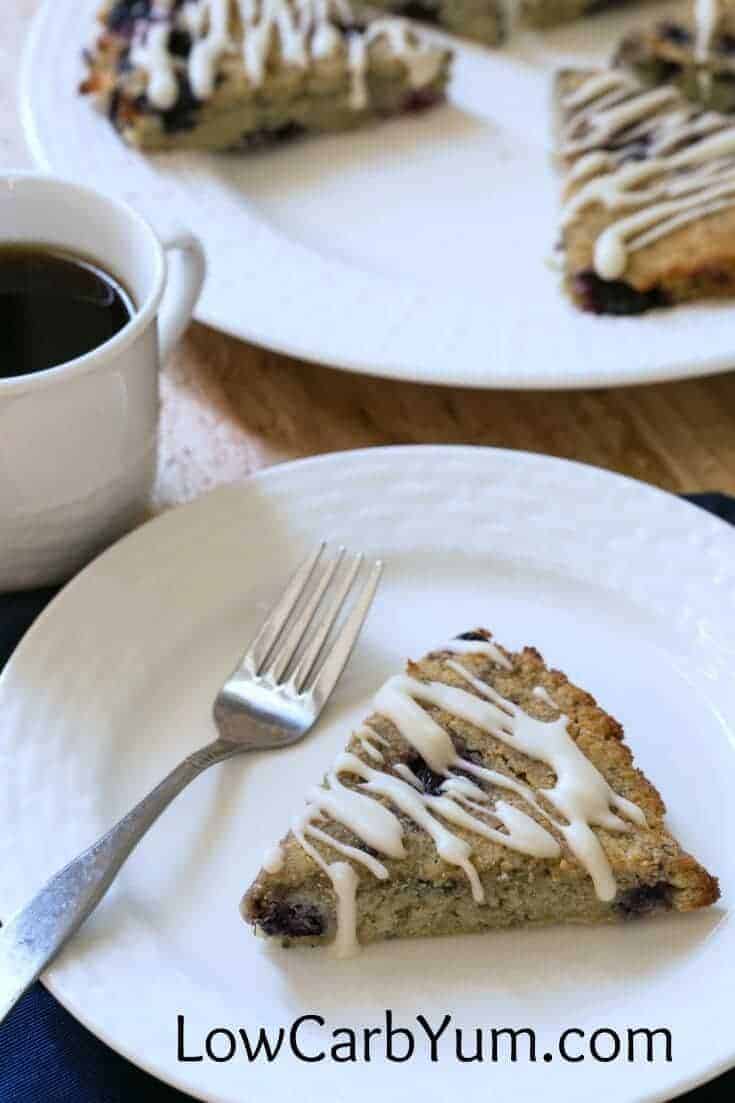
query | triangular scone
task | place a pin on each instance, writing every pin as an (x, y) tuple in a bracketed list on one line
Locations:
[(649, 198), (550, 13), (483, 20), (485, 790), (223, 74)]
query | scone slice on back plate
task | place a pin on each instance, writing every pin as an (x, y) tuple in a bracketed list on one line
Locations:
[(222, 74), (670, 53), (485, 790), (482, 20), (550, 13), (649, 204)]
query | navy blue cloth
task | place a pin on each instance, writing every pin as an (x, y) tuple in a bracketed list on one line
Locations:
[(46, 1056)]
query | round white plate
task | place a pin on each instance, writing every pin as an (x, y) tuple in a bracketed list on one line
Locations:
[(627, 589), (419, 249)]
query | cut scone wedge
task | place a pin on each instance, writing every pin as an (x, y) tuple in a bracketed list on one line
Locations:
[(484, 791), (482, 20), (229, 74), (666, 53), (550, 13), (648, 216)]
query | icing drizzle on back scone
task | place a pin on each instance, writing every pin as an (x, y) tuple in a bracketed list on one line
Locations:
[(646, 155), (579, 800), (305, 30), (708, 14)]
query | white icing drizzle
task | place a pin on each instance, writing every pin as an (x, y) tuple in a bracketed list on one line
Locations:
[(379, 828), (594, 88), (371, 733), (478, 647), (368, 819), (273, 859), (711, 17), (521, 832), (688, 171), (453, 850), (600, 119), (367, 737), (394, 701), (151, 52), (304, 29), (543, 695), (275, 17), (502, 781), (707, 15), (376, 868), (342, 875), (421, 61), (345, 882), (580, 793), (370, 750), (407, 774), (207, 51)]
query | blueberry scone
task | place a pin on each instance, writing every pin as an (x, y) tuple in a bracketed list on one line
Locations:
[(485, 790), (648, 218), (482, 20), (697, 57), (550, 13), (222, 74)]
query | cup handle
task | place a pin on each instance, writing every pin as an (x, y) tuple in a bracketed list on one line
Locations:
[(184, 280)]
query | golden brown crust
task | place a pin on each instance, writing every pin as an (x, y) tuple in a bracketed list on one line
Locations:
[(650, 867), (240, 113), (696, 261)]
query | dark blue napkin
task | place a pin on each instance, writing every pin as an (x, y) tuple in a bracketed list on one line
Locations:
[(46, 1056)]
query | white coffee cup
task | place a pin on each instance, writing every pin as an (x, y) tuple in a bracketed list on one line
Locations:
[(78, 441)]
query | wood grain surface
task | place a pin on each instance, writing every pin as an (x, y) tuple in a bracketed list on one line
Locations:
[(230, 408)]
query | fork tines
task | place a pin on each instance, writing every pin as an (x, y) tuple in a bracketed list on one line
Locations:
[(303, 643)]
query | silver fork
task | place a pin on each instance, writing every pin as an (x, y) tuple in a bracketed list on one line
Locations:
[(271, 700)]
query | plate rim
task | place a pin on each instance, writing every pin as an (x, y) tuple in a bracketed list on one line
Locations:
[(405, 370), (262, 473), (717, 1066)]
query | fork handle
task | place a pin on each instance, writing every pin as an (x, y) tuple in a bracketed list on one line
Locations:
[(34, 935)]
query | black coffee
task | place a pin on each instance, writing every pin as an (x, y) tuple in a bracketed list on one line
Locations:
[(54, 307)]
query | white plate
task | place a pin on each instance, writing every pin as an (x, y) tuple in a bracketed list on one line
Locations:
[(418, 249), (628, 589)]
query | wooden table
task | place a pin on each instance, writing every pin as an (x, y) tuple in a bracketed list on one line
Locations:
[(230, 408)]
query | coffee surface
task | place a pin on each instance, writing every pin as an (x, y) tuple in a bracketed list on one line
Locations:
[(54, 306)]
